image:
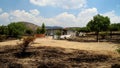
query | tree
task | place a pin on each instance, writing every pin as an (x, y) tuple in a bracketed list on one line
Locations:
[(29, 31), (43, 30), (16, 29), (38, 31), (99, 23), (114, 27), (83, 29), (58, 33), (3, 30), (23, 46)]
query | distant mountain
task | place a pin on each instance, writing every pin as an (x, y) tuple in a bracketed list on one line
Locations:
[(54, 27), (30, 25), (34, 27)]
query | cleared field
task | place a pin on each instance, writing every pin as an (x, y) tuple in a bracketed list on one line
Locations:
[(102, 47), (49, 53)]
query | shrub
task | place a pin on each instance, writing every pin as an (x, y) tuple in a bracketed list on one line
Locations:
[(58, 33), (26, 43)]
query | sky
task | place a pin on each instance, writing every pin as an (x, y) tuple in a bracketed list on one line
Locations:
[(65, 13)]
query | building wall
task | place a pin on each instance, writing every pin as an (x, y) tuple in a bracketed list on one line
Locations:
[(51, 32)]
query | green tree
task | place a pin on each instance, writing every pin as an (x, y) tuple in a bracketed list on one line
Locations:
[(29, 31), (16, 29), (83, 29), (3, 30), (38, 31), (43, 30), (114, 27), (58, 33), (99, 23)]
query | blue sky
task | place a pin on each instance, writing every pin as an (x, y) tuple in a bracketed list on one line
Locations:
[(66, 13)]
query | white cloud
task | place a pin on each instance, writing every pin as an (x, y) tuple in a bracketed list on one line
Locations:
[(34, 12), (70, 20), (64, 19), (4, 18), (86, 15), (22, 15), (1, 10), (113, 17), (66, 4)]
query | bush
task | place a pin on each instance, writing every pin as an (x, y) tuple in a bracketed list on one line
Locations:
[(26, 43), (58, 33)]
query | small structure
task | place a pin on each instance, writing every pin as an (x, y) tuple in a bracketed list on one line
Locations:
[(65, 32), (50, 31)]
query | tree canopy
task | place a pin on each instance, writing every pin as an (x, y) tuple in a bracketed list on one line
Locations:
[(115, 27), (41, 30), (16, 29), (3, 30), (99, 23)]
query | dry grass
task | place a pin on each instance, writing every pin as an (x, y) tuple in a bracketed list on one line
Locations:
[(54, 57), (48, 53)]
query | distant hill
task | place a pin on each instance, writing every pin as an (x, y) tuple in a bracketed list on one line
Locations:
[(30, 25), (54, 27), (34, 27)]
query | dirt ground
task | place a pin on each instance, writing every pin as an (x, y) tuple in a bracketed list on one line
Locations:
[(49, 53), (101, 47)]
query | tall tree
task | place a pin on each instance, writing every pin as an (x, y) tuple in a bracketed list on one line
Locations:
[(43, 30), (99, 23)]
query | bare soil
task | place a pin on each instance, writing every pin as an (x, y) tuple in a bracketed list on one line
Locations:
[(54, 57), (48, 53)]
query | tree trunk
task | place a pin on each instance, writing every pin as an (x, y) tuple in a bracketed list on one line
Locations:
[(110, 35), (97, 36)]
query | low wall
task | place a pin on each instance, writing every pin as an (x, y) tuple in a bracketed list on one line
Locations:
[(39, 35)]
